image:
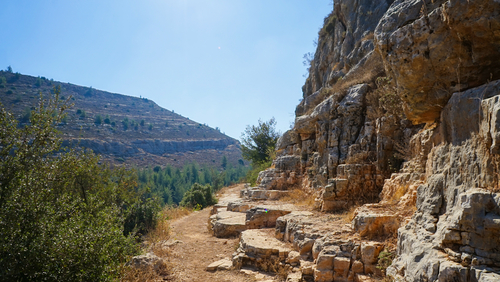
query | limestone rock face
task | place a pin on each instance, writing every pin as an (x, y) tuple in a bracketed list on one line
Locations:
[(434, 48), (432, 162), (345, 42), (454, 231)]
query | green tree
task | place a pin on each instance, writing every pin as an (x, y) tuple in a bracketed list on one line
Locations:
[(98, 120), (224, 162), (89, 92), (61, 213), (3, 82), (38, 82), (9, 69), (199, 195), (259, 141)]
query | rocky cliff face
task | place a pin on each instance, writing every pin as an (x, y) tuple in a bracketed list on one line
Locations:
[(400, 108)]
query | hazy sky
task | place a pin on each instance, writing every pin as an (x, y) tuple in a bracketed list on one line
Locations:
[(225, 63)]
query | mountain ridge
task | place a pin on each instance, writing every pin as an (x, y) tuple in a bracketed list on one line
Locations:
[(125, 130)]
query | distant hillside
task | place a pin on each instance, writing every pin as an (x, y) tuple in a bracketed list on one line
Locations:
[(123, 129)]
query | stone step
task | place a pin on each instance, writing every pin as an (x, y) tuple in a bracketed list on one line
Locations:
[(223, 264), (238, 206), (227, 224), (262, 194), (260, 249), (265, 216), (373, 220)]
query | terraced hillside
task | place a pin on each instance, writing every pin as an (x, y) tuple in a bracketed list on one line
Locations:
[(123, 129)]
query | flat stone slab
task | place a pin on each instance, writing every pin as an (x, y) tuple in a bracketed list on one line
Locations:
[(375, 221), (260, 243), (228, 224), (238, 206), (261, 194), (265, 216), (223, 264)]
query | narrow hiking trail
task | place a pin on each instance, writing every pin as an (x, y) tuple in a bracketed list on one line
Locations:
[(198, 248)]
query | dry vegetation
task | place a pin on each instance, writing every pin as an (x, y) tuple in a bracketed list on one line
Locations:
[(154, 242), (300, 197)]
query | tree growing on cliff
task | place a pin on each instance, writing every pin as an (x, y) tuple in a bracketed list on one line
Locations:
[(258, 142)]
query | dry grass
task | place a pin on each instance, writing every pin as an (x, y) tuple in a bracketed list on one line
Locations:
[(348, 215), (172, 213), (275, 266), (154, 243), (358, 76), (299, 197), (133, 274), (360, 158)]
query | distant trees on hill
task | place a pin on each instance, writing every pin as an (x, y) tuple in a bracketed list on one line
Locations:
[(169, 184)]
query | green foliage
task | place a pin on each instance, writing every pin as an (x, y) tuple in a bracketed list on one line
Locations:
[(150, 127), (385, 260), (81, 113), (26, 115), (38, 82), (89, 92), (385, 101), (170, 184), (199, 196), (61, 213), (3, 82), (259, 141), (251, 176), (9, 69), (224, 162), (98, 120), (107, 120), (125, 123), (142, 122), (328, 25)]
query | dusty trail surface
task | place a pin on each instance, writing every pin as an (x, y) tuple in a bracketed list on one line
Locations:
[(199, 248)]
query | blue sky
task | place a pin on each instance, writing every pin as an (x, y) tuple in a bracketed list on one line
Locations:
[(226, 63)]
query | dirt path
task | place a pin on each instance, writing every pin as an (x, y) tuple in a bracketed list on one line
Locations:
[(199, 248)]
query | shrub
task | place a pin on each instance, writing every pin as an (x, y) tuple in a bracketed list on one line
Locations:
[(98, 120), (3, 82), (384, 100), (107, 120), (38, 82), (125, 123), (199, 195), (385, 260), (89, 92), (61, 213)]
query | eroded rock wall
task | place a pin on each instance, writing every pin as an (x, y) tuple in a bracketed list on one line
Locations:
[(443, 59)]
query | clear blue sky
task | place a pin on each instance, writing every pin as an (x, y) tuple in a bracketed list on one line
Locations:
[(225, 63)]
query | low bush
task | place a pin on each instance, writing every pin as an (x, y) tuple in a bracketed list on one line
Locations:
[(199, 195)]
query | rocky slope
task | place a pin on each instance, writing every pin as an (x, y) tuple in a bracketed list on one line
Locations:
[(399, 113), (131, 131)]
